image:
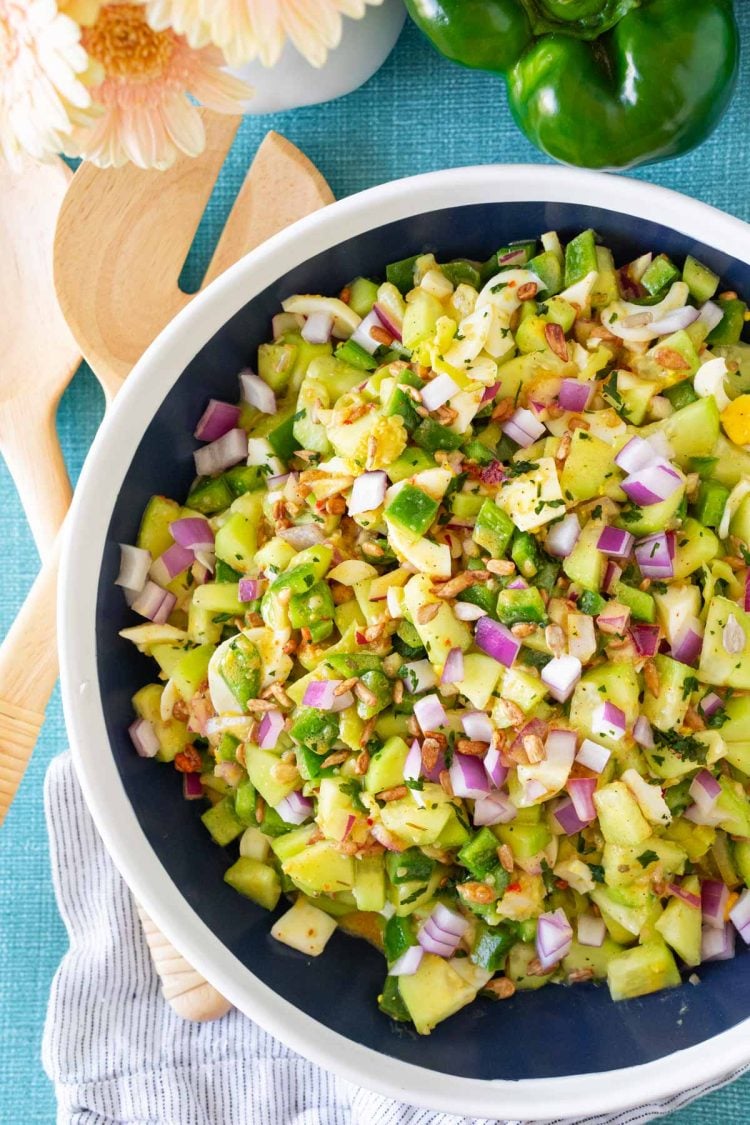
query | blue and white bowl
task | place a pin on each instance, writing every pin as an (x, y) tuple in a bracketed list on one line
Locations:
[(558, 1052)]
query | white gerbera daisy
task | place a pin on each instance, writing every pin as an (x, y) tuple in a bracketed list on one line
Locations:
[(44, 79), (249, 29)]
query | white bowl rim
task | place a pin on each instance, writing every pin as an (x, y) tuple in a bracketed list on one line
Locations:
[(106, 465)]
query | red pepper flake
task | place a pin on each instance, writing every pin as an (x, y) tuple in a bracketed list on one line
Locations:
[(513, 887)]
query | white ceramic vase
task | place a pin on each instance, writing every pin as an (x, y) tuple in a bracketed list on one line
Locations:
[(365, 45)]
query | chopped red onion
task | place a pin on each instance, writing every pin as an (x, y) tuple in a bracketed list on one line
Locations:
[(154, 603), (522, 427), (714, 899), (368, 492), (697, 814), (733, 636), (710, 704), (257, 392), (418, 676), (453, 669), (591, 930), (495, 768), (673, 321), (496, 640), (477, 726), (612, 576), (575, 395), (643, 734), (174, 561), (271, 726), (429, 713), (635, 455), (655, 555), (563, 536), (388, 320), (609, 721), (249, 589), (656, 482), (278, 481), (646, 639), (513, 258), (408, 963), (688, 643), (717, 945), (413, 762), (710, 315), (295, 809), (221, 454), (317, 328), (134, 567), (361, 334), (430, 939), (568, 819), (581, 790), (192, 786), (438, 391), (614, 618), (302, 536), (449, 921), (615, 542), (561, 675), (518, 584), (559, 746), (495, 808), (468, 777), (686, 896), (216, 420), (465, 611), (144, 738), (593, 755), (489, 394), (554, 937), (321, 694), (704, 789), (192, 532)]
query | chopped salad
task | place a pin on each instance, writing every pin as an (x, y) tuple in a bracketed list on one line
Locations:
[(452, 631)]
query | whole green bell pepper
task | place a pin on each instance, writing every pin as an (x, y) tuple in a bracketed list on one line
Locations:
[(598, 83)]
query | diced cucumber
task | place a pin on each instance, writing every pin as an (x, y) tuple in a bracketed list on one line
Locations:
[(661, 273), (615, 682), (620, 819), (222, 822), (729, 329), (548, 268), (172, 734), (304, 927), (493, 529), (209, 495), (369, 883), (255, 880), (695, 545), (580, 257), (320, 869), (435, 992), (717, 666), (386, 768), (518, 968), (644, 969), (154, 534), (668, 707), (595, 958), (700, 280), (585, 564)]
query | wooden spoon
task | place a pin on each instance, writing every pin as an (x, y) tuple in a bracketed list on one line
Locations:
[(121, 243), (39, 355)]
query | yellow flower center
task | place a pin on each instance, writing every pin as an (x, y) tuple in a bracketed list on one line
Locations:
[(125, 45)]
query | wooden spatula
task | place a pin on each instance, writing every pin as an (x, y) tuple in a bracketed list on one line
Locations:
[(121, 243), (39, 354)]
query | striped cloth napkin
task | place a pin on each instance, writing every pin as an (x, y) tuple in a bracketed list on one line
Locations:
[(116, 1051)]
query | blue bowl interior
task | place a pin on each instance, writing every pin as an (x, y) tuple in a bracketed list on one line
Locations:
[(552, 1032)]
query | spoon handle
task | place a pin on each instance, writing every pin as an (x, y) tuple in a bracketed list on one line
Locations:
[(33, 455), (30, 644)]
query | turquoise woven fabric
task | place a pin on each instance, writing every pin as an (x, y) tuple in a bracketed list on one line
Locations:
[(417, 114)]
